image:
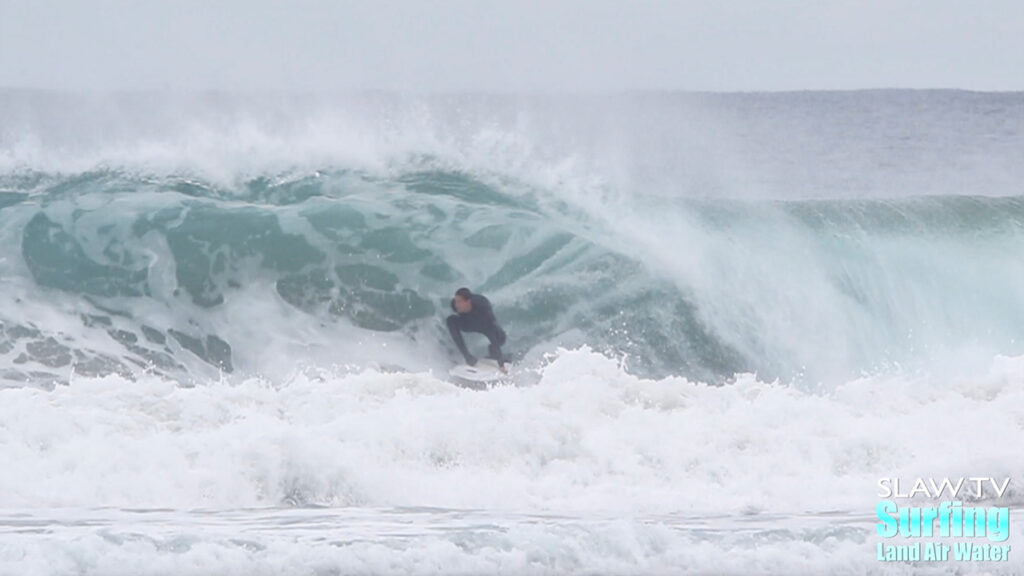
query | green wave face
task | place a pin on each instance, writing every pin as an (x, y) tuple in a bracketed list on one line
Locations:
[(807, 237), (703, 288)]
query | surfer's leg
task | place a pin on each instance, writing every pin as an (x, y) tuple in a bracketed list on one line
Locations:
[(494, 352), (497, 339), (455, 329)]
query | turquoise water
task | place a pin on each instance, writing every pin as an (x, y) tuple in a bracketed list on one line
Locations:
[(700, 287)]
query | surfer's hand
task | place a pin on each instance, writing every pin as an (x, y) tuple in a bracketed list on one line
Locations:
[(503, 368), (471, 360)]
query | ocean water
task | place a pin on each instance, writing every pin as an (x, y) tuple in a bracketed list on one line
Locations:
[(222, 346)]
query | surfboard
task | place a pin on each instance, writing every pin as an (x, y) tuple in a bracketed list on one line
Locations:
[(486, 371)]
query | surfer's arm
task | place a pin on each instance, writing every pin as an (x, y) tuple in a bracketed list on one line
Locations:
[(456, 333)]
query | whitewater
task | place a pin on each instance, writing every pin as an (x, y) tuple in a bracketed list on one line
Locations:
[(222, 346)]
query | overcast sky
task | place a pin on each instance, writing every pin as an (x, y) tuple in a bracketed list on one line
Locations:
[(568, 45)]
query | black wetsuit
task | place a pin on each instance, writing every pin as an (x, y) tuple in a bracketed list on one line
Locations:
[(479, 319)]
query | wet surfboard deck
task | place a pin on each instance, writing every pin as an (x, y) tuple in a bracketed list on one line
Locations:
[(485, 373)]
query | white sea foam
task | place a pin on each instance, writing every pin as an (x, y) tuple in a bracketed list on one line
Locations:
[(585, 444)]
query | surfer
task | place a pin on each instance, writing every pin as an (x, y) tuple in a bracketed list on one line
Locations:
[(473, 313)]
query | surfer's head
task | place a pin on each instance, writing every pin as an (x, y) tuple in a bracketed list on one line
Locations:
[(462, 302)]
